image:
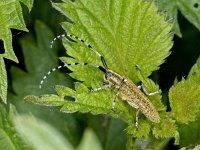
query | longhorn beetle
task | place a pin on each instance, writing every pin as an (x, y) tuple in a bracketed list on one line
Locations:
[(126, 89)]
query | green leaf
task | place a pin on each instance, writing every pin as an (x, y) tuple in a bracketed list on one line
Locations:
[(86, 101), (110, 131), (130, 31), (170, 7), (195, 148), (126, 33), (40, 135), (9, 139), (28, 3), (184, 96), (184, 100), (166, 129), (3, 81), (11, 17), (39, 58), (149, 143), (88, 138), (190, 133), (195, 70), (190, 9), (115, 133)]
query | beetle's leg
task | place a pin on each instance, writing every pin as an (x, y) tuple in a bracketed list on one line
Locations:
[(104, 87), (147, 93), (143, 86), (137, 120), (115, 99), (101, 88)]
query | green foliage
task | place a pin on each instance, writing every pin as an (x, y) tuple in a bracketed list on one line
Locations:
[(86, 101), (190, 10), (11, 17), (115, 133), (184, 101), (9, 138), (190, 133), (40, 135), (127, 33), (8, 9), (195, 148), (88, 138), (39, 59), (184, 97), (170, 7), (195, 70), (149, 143), (143, 39)]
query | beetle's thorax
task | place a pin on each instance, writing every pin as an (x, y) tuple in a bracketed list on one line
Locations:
[(113, 78)]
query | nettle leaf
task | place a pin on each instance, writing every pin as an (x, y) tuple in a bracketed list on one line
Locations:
[(114, 133), (39, 134), (195, 70), (39, 59), (170, 7), (190, 9), (88, 138), (86, 101), (190, 133), (10, 17), (184, 96), (126, 33), (197, 147), (8, 135)]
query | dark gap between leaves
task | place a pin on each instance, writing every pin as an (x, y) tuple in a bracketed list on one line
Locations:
[(69, 99), (2, 50)]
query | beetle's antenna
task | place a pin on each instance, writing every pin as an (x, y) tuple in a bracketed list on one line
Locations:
[(85, 43)]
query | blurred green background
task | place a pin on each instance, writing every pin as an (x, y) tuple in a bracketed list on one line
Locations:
[(110, 132)]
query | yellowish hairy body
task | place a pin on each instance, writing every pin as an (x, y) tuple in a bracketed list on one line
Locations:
[(133, 95)]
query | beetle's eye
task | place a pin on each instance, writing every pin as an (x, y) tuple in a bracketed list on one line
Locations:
[(108, 75)]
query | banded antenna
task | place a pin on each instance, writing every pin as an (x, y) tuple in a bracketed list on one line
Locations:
[(49, 72), (85, 43), (65, 65), (82, 63)]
